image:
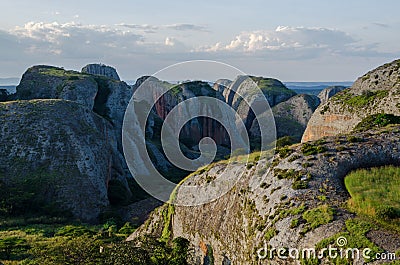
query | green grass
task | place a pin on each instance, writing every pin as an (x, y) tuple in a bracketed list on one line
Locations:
[(375, 192), (355, 234), (59, 72), (272, 86), (377, 121), (358, 101), (319, 216), (21, 241)]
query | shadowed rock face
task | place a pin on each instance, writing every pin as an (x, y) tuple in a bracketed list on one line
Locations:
[(72, 101), (101, 69), (375, 92), (263, 205), (3, 95), (291, 116), (63, 144)]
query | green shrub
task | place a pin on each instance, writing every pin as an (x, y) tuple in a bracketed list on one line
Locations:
[(270, 233), (353, 139), (284, 151), (313, 148), (386, 212), (74, 231), (377, 121), (285, 141), (12, 245), (294, 223), (298, 185)]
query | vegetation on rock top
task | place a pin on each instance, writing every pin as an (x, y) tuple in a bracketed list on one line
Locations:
[(375, 192)]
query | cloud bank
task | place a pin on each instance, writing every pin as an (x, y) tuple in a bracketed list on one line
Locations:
[(125, 44)]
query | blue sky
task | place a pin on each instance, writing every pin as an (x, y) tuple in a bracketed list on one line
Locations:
[(287, 39)]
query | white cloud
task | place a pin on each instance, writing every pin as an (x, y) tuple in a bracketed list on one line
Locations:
[(74, 39), (131, 46), (299, 40)]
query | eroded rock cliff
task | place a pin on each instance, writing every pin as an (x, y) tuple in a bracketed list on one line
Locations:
[(62, 149), (375, 92)]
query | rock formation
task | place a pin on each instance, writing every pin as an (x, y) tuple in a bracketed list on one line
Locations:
[(267, 205), (48, 82), (329, 92), (61, 145), (101, 69), (374, 92), (291, 116), (81, 115)]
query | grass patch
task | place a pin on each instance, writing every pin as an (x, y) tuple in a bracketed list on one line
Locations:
[(355, 233), (359, 101), (375, 192), (314, 148), (377, 121), (272, 86), (318, 216), (270, 233), (60, 72)]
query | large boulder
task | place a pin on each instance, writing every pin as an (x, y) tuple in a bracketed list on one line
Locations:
[(375, 92), (101, 69), (268, 205), (62, 149)]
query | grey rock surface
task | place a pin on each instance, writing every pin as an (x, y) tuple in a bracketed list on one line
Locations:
[(101, 69), (261, 207), (64, 141), (329, 92), (291, 116), (48, 82)]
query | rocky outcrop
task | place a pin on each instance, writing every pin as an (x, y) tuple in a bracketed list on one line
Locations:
[(375, 92), (196, 128), (291, 116), (222, 86), (48, 82), (243, 96), (101, 97), (101, 69), (329, 92), (63, 149), (267, 205)]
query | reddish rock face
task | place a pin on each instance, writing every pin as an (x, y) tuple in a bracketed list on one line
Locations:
[(327, 128), (195, 129), (373, 93)]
